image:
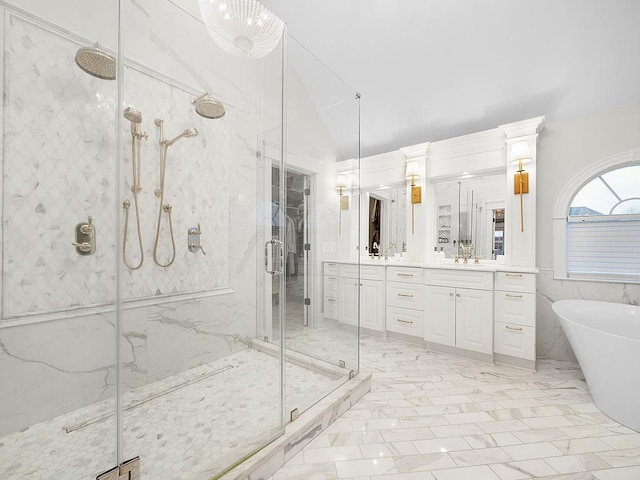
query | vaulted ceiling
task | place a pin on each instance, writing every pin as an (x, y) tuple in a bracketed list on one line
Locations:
[(434, 69)]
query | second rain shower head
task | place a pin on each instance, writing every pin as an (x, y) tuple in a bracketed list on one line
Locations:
[(96, 62), (207, 107)]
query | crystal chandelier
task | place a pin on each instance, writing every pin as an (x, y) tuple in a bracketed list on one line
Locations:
[(242, 27)]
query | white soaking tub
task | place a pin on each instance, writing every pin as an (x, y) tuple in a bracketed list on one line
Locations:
[(606, 340)]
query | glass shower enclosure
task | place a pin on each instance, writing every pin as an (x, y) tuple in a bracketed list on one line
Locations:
[(144, 311)]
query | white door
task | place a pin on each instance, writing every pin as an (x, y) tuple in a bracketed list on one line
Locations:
[(372, 300), (474, 320), (439, 315), (348, 301)]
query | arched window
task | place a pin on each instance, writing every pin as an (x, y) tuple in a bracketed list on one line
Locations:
[(603, 226)]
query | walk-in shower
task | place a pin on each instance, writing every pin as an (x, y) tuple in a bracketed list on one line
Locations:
[(160, 192), (108, 357)]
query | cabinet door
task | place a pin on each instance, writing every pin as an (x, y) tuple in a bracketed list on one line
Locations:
[(439, 315), (474, 320), (348, 301), (372, 311)]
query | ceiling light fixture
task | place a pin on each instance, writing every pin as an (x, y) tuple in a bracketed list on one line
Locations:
[(242, 27)]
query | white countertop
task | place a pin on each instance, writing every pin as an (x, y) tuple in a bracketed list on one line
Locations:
[(447, 264)]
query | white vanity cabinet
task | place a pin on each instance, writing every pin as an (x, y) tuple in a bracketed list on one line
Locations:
[(456, 315), (405, 300), (370, 287), (515, 317)]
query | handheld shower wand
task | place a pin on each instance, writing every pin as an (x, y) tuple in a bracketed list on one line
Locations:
[(159, 192), (135, 117)]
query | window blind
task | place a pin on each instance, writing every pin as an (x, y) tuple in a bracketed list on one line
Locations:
[(606, 247)]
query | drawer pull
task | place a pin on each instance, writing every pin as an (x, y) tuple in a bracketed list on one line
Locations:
[(404, 295), (518, 329), (404, 274), (332, 278), (404, 321), (513, 295), (332, 264), (514, 275), (332, 300)]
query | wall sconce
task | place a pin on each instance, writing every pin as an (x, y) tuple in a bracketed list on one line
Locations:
[(341, 184), (519, 156), (413, 172)]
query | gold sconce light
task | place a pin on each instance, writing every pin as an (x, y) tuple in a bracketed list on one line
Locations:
[(341, 184), (520, 155), (412, 173)]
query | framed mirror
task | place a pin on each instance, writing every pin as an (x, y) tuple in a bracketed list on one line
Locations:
[(384, 220), (470, 211)]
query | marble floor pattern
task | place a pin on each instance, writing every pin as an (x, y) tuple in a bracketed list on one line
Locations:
[(187, 426), (432, 416)]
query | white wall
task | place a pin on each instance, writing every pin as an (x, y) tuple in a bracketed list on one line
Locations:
[(564, 149)]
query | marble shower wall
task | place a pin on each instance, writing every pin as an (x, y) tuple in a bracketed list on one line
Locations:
[(551, 340), (57, 330)]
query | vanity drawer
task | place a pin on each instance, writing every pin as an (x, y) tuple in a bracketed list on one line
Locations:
[(516, 282), (406, 295), (514, 340), (331, 268), (405, 320), (330, 286), (515, 307), (331, 308), (405, 274), (459, 278), (367, 272)]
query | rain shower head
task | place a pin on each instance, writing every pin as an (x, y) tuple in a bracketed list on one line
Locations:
[(208, 108), (96, 62), (133, 115), (190, 132)]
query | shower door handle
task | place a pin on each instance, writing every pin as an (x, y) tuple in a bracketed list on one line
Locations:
[(277, 257)]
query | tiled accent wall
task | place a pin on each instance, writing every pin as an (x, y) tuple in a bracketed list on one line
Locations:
[(59, 168)]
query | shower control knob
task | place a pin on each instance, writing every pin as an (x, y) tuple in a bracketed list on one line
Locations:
[(83, 247), (86, 228)]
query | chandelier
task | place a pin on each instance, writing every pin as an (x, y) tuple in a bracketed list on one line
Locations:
[(242, 27)]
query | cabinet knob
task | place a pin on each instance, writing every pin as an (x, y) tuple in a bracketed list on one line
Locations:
[(458, 295), (451, 294)]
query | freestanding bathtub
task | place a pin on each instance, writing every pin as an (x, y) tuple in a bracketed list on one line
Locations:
[(606, 340)]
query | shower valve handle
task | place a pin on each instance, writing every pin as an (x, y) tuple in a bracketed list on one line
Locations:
[(83, 246)]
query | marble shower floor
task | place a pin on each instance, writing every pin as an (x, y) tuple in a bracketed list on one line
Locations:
[(432, 416), (180, 432)]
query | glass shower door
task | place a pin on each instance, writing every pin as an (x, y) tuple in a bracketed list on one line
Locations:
[(199, 393), (58, 325)]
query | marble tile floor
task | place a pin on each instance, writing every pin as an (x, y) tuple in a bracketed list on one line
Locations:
[(432, 416), (187, 426), (330, 340)]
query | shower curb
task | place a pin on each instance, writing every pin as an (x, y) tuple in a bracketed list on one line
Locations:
[(263, 464)]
